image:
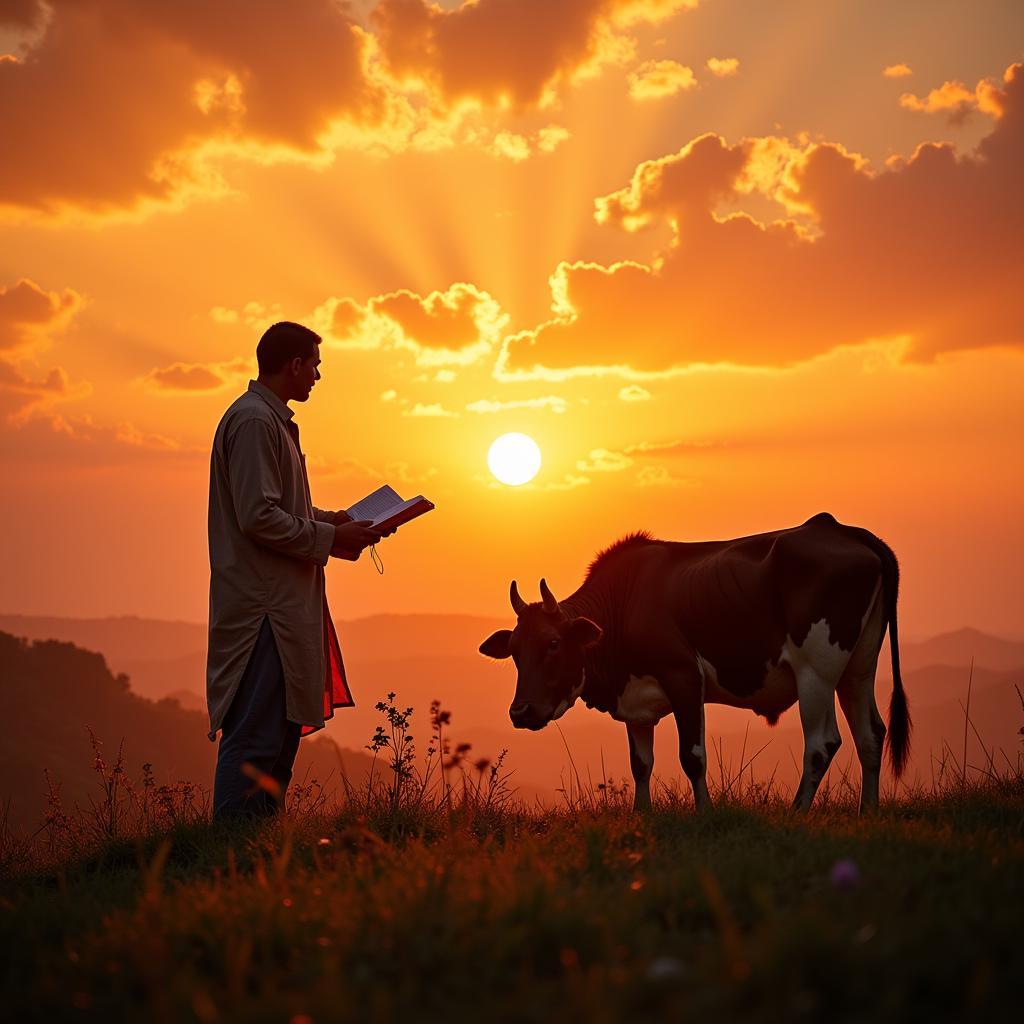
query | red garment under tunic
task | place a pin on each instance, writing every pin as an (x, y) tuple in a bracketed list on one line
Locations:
[(336, 691)]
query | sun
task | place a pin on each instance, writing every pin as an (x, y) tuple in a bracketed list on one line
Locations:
[(514, 459)]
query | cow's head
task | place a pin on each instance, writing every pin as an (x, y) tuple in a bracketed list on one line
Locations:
[(547, 647)]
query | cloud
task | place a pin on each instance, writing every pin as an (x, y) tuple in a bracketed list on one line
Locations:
[(958, 100), (120, 103), (455, 327), (656, 79), (197, 378), (511, 146), (602, 460), (897, 71), (634, 393), (512, 54), (433, 409), (608, 460), (30, 318), (723, 67), (926, 251), (22, 396), (82, 442), (551, 137), (115, 108), (517, 148), (29, 313), (659, 476), (553, 402)]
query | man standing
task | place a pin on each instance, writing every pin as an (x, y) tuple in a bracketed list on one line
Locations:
[(274, 669)]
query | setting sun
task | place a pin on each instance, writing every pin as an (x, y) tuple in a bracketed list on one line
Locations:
[(514, 458)]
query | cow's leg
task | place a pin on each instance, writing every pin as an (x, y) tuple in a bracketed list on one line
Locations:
[(641, 761), (817, 698), (857, 699), (685, 692), (856, 692)]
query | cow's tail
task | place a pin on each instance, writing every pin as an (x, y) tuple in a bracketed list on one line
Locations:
[(897, 739)]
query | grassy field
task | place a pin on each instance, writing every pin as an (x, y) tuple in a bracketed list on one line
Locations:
[(416, 902)]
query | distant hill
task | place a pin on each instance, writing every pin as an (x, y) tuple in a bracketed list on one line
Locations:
[(960, 646), (163, 658), (123, 638), (423, 657), (52, 693)]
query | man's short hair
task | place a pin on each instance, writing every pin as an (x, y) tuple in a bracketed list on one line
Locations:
[(282, 342)]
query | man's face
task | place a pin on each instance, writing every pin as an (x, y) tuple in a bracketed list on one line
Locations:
[(307, 374)]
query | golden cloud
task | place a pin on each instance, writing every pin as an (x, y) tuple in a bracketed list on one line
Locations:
[(958, 100), (29, 313), (603, 460), (553, 402), (455, 327), (897, 71), (21, 396), (432, 410), (120, 103), (723, 67), (118, 107), (926, 250), (512, 54), (194, 378), (30, 316), (81, 442), (655, 79)]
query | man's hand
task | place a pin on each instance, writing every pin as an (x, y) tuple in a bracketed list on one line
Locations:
[(351, 537), (344, 517)]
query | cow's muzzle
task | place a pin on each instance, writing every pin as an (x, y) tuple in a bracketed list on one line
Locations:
[(526, 716)]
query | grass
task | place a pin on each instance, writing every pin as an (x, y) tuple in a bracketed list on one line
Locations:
[(434, 894)]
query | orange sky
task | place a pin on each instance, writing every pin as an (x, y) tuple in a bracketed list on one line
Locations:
[(730, 264)]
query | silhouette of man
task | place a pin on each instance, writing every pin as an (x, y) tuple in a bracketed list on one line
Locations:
[(274, 669)]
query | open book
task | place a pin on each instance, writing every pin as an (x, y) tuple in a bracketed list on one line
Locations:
[(387, 510)]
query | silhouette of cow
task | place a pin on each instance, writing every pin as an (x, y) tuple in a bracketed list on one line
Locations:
[(794, 616)]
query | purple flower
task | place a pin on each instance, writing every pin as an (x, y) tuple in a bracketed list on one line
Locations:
[(844, 874)]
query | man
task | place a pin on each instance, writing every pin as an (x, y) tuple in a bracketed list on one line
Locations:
[(274, 669)]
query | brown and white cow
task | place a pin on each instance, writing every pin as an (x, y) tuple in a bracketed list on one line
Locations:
[(795, 616)]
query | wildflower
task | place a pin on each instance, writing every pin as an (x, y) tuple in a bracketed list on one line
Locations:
[(665, 968), (844, 874)]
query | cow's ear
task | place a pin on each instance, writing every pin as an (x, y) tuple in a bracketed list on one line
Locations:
[(496, 645), (585, 632)]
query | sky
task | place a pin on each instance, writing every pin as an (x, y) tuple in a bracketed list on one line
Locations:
[(730, 264)]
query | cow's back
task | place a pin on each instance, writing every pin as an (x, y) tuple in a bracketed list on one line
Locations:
[(738, 601)]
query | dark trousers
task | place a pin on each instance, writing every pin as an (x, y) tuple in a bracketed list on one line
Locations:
[(256, 732)]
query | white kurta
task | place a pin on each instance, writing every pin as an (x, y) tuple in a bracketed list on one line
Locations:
[(268, 549)]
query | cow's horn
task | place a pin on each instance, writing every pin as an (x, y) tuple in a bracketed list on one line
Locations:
[(518, 604), (550, 604)]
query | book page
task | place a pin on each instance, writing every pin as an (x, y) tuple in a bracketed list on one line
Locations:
[(376, 506), (394, 510)]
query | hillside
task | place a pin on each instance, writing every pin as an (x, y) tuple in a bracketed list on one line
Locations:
[(52, 693), (747, 914), (427, 657)]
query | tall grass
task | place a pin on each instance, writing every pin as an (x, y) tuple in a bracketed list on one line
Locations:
[(432, 891)]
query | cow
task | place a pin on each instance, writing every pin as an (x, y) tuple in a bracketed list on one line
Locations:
[(658, 628)]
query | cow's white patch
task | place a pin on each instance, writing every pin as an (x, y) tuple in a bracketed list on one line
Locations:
[(827, 659), (567, 702), (643, 701)]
